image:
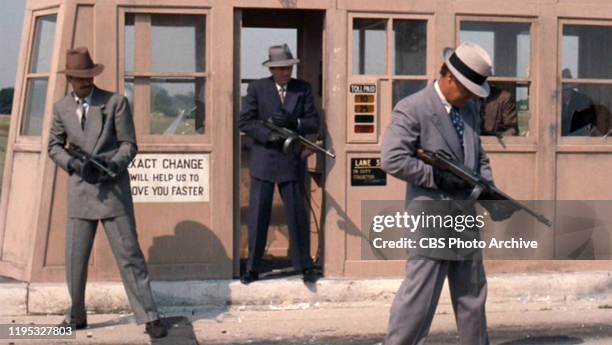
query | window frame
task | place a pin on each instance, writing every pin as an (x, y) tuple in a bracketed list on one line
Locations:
[(385, 81), (513, 143), (142, 76), (22, 139), (569, 143)]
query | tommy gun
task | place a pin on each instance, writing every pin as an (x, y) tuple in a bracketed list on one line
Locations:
[(443, 161), (292, 137), (78, 153)]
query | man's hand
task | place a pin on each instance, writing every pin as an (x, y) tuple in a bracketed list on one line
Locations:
[(499, 210), (75, 166), (110, 165), (449, 183), (89, 173), (275, 140), (282, 119)]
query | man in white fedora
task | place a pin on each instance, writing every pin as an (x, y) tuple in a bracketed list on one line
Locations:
[(443, 116), (288, 103)]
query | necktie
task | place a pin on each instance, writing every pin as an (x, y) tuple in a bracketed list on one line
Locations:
[(281, 93), (457, 123), (81, 112)]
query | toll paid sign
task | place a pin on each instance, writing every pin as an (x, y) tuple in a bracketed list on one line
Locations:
[(170, 177)]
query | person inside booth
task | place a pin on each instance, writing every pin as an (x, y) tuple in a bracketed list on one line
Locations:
[(287, 103)]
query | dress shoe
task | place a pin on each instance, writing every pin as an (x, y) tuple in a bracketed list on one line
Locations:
[(80, 325), (156, 329), (249, 277), (309, 276)]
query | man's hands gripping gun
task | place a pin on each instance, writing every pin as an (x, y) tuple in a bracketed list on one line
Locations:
[(91, 169), (451, 174)]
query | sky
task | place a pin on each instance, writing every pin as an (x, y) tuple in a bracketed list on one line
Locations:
[(11, 22)]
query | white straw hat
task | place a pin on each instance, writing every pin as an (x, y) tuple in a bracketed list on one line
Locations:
[(471, 65)]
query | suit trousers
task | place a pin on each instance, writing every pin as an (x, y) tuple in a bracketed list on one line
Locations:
[(260, 208), (121, 233), (414, 305)]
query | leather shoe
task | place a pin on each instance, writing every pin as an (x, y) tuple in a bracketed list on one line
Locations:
[(156, 329), (249, 277), (81, 325), (309, 276)]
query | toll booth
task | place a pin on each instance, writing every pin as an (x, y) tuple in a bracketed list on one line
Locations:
[(184, 65)]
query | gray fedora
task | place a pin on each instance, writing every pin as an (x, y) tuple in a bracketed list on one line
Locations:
[(280, 56), (471, 65)]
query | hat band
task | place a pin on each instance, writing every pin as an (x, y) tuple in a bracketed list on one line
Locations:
[(466, 71)]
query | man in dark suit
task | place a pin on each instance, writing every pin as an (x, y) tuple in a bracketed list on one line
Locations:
[(100, 123), (288, 103), (443, 116)]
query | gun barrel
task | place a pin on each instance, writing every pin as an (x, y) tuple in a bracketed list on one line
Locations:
[(287, 133)]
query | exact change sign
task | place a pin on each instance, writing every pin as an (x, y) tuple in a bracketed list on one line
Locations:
[(170, 177)]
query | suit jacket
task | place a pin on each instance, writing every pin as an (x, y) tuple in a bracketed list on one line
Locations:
[(109, 133), (262, 101), (421, 121), (499, 114)]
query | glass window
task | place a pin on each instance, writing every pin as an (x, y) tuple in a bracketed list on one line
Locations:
[(175, 82), (35, 107), (410, 49), (177, 43), (585, 106), (177, 106), (508, 44), (38, 76), (43, 44), (404, 88), (369, 46), (506, 112)]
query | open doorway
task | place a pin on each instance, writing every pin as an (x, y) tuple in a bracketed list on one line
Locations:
[(255, 31)]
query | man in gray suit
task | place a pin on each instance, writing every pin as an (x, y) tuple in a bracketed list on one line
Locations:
[(442, 116), (100, 123)]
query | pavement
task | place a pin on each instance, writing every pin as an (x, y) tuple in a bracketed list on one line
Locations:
[(522, 309)]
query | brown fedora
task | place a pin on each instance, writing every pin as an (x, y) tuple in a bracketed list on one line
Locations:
[(80, 65)]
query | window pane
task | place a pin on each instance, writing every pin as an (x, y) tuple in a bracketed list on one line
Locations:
[(586, 110), (369, 46), (506, 111), (509, 45), (410, 53), (177, 106), (177, 43), (43, 44), (586, 52), (254, 50), (403, 88), (130, 42), (35, 107)]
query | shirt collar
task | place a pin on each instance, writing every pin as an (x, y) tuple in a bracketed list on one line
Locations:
[(445, 103), (279, 88), (87, 99)]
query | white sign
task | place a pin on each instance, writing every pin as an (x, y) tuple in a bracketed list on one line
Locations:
[(170, 177)]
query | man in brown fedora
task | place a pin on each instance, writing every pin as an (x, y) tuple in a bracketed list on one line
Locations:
[(288, 103), (100, 123)]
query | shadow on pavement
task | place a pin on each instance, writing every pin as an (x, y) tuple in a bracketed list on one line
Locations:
[(548, 340), (180, 332)]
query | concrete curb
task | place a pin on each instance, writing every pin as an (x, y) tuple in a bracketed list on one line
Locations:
[(13, 298), (540, 291)]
